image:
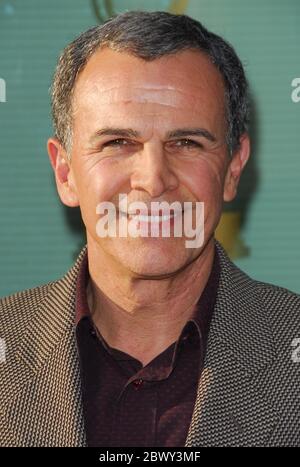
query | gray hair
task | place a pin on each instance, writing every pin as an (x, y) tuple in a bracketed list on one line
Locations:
[(150, 35)]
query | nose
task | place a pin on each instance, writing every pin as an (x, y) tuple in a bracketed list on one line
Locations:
[(152, 172)]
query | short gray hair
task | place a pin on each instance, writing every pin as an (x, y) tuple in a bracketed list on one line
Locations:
[(150, 35)]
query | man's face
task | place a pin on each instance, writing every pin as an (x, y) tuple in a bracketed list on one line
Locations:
[(155, 131)]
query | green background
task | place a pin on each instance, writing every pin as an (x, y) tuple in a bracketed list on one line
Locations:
[(40, 238)]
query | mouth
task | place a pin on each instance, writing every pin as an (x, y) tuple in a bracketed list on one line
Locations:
[(146, 218), (153, 224), (156, 218)]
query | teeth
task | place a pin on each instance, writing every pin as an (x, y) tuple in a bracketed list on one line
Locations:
[(152, 218)]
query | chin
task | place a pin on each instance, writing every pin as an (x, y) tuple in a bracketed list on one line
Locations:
[(154, 270), (155, 261)]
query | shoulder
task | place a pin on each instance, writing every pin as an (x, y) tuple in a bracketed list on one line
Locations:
[(16, 309), (274, 294), (276, 301), (282, 306)]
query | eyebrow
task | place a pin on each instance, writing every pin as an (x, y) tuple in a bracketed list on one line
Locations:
[(130, 133)]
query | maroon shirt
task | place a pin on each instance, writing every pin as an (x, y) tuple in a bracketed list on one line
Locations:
[(126, 404)]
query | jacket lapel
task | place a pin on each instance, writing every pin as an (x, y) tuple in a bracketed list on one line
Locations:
[(232, 408), (46, 393)]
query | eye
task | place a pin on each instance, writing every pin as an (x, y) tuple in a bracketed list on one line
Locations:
[(186, 143), (116, 142), (185, 146)]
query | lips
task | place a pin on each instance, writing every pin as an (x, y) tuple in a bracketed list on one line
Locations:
[(154, 215), (153, 225), (145, 218)]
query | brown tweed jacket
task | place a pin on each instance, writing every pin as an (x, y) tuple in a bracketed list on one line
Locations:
[(248, 393)]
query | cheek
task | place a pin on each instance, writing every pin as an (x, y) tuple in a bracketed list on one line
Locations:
[(97, 182), (100, 180), (206, 185), (205, 181)]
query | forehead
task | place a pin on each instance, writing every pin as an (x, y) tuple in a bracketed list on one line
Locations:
[(113, 76)]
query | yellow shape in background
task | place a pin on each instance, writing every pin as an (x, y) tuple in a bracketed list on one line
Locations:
[(105, 9), (178, 6), (228, 233)]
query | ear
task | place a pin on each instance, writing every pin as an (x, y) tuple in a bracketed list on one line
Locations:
[(235, 168), (65, 183)]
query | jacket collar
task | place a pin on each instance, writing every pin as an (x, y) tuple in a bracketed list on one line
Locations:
[(240, 322), (48, 342), (55, 317), (232, 406)]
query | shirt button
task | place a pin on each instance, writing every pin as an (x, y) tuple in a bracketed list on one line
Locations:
[(138, 383), (93, 332)]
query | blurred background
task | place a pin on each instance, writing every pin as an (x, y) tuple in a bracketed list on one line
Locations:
[(40, 238)]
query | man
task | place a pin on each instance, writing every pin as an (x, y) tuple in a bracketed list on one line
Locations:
[(147, 341)]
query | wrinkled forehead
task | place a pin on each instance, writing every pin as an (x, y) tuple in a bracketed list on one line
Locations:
[(112, 77)]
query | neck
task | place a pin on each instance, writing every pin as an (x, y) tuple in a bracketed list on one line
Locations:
[(139, 316)]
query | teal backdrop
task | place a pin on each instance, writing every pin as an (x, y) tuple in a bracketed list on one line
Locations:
[(40, 238)]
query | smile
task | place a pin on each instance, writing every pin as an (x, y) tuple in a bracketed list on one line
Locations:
[(145, 218)]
